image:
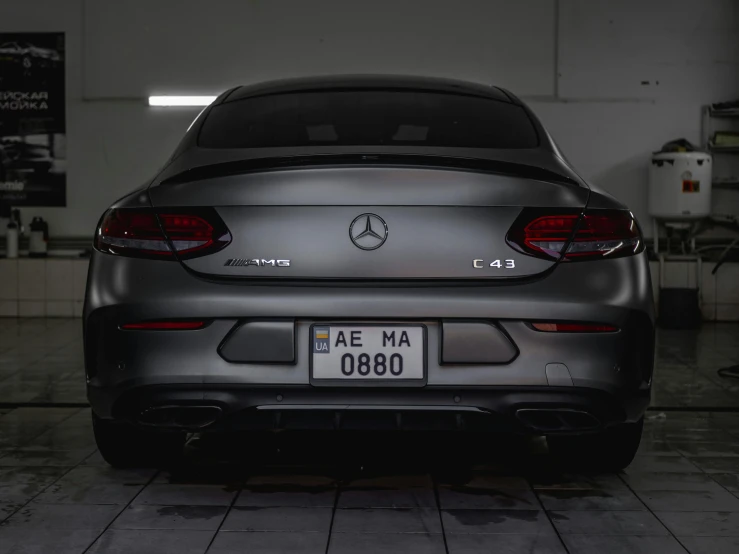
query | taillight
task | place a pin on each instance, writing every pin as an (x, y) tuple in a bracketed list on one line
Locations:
[(574, 327), (161, 234), (575, 236), (605, 233), (164, 325)]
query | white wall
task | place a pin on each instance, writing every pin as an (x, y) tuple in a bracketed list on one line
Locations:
[(580, 63)]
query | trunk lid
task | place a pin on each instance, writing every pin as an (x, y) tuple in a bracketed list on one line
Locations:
[(373, 222)]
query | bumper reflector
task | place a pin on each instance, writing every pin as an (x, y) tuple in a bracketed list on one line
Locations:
[(164, 325), (574, 327)]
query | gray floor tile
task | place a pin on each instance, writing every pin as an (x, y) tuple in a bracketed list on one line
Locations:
[(21, 484), (181, 541), (290, 480), (690, 501), (171, 517), (45, 457), (658, 449), (707, 449), (391, 482), (605, 544), (729, 481), (197, 471), (18, 540), (372, 543), (525, 522), (589, 500), (710, 465), (75, 438), (725, 419), (61, 393), (238, 542), (14, 436), (387, 498), (672, 482), (106, 475), (603, 482), (93, 485), (95, 459), (288, 496), (399, 520), (655, 447), (711, 545), (244, 518), (46, 416), (486, 480), (504, 544), (6, 510), (69, 493), (709, 437), (13, 391), (607, 523), (661, 464), (60, 516), (451, 498), (186, 495), (701, 524)]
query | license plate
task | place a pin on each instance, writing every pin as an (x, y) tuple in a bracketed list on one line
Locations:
[(368, 352)]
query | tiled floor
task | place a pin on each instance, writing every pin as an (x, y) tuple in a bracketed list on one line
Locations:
[(365, 493)]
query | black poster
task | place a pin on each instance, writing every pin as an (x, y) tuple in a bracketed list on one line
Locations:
[(33, 141)]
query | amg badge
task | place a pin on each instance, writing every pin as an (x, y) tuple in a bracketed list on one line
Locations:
[(256, 261)]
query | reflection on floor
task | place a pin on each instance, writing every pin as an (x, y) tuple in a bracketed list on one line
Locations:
[(365, 493)]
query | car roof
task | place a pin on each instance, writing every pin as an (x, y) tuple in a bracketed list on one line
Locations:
[(189, 155), (385, 82)]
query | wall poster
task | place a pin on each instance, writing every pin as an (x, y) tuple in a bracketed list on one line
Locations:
[(33, 145)]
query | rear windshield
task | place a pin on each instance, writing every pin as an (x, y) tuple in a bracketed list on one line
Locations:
[(368, 118)]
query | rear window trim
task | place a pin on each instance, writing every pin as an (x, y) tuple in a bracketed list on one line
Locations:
[(464, 93)]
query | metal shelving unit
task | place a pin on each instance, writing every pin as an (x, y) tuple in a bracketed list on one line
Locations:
[(725, 183), (723, 149), (710, 114), (722, 114)]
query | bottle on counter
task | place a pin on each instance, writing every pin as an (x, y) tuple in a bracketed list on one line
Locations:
[(38, 238), (11, 240)]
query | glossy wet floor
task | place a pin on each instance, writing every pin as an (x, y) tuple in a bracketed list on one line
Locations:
[(365, 492)]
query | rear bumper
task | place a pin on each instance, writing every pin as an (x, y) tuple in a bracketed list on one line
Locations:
[(531, 409), (609, 373)]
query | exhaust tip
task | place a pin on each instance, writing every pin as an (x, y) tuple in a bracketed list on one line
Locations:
[(557, 420), (180, 417)]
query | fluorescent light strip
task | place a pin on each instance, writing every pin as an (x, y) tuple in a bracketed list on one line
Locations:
[(180, 100)]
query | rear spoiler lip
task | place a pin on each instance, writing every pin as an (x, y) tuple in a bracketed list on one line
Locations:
[(223, 168)]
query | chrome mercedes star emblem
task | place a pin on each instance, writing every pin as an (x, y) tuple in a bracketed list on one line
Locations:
[(368, 231)]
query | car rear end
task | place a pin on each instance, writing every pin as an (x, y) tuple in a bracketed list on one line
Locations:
[(453, 271)]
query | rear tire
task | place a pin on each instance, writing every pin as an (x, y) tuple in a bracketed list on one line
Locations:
[(610, 450), (123, 445)]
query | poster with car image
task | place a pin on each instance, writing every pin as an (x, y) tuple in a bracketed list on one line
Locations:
[(32, 120)]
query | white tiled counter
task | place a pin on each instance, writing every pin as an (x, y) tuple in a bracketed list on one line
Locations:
[(38, 287), (719, 292)]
